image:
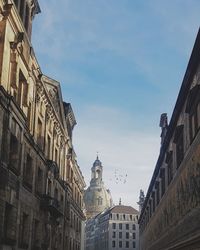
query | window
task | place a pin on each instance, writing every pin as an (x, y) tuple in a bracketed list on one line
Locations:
[(120, 235), (193, 109), (21, 10), (169, 161), (39, 134), (114, 234), (15, 152), (56, 155), (39, 183), (127, 226), (133, 236), (153, 201), (162, 175), (117, 216), (28, 171), (114, 225), (178, 140), (131, 218), (9, 228), (134, 245), (22, 92), (113, 243), (26, 24), (133, 227), (193, 123), (157, 192), (124, 216), (127, 235), (24, 231), (120, 225), (48, 147), (29, 115), (127, 244), (36, 234), (120, 244)]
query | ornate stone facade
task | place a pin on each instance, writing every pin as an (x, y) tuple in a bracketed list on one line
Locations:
[(97, 198), (170, 216), (41, 184)]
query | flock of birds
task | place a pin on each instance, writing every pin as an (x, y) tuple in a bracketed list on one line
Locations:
[(119, 178)]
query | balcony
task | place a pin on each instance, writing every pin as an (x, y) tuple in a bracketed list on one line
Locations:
[(51, 205)]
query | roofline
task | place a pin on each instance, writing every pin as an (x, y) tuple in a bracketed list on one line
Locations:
[(191, 67)]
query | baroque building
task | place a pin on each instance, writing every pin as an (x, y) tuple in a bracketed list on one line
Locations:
[(41, 184), (97, 198), (170, 215), (114, 229)]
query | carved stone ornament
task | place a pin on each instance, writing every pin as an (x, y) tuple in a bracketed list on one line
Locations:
[(5, 12), (48, 112), (39, 92), (62, 142)]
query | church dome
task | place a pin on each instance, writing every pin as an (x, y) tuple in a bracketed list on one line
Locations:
[(97, 198), (97, 162)]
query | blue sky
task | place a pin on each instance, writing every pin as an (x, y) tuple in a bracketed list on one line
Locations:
[(120, 64)]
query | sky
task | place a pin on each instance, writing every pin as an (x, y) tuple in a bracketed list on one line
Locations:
[(120, 64)]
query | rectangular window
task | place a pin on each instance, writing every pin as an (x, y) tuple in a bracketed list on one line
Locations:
[(178, 140), (157, 193), (120, 235), (114, 225), (120, 226), (162, 175), (28, 171), (133, 236), (48, 147), (24, 231), (21, 10), (127, 226), (120, 244), (27, 16), (39, 181), (170, 171), (193, 123), (127, 235), (153, 202), (113, 243), (36, 234), (133, 227), (113, 234), (39, 134), (127, 244), (134, 245), (29, 115), (15, 154), (9, 223)]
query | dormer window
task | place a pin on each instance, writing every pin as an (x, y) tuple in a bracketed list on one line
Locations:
[(179, 141), (193, 109)]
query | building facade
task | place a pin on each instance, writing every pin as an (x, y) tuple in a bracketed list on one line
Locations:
[(170, 216), (41, 184), (97, 198), (114, 229)]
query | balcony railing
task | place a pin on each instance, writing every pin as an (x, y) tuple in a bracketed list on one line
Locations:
[(51, 205)]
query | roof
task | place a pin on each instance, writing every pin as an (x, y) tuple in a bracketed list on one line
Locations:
[(124, 210)]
